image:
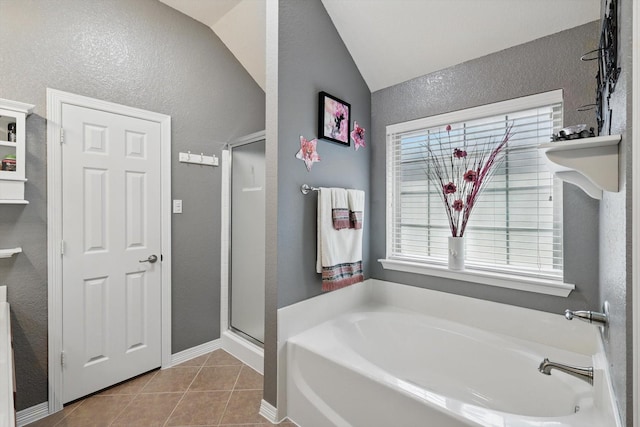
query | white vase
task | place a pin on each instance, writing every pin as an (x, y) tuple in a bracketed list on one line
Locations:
[(456, 253)]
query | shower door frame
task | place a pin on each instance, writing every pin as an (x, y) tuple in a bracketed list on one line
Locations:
[(226, 276), (635, 237)]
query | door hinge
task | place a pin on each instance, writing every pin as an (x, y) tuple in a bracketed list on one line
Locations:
[(61, 247), (61, 136), (62, 359)]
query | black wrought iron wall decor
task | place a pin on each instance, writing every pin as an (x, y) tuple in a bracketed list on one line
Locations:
[(609, 46), (608, 70)]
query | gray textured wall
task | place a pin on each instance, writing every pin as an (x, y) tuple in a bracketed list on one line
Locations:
[(311, 58), (615, 222), (143, 54), (542, 65)]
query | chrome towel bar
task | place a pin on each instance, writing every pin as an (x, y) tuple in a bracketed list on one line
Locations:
[(306, 189)]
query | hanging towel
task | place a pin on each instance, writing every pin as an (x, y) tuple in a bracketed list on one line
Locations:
[(356, 208), (339, 255), (339, 208)]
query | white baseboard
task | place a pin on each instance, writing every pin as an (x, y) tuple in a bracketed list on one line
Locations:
[(32, 414), (193, 352), (268, 411), (249, 353)]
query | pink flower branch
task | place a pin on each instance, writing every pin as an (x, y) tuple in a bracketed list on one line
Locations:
[(461, 175)]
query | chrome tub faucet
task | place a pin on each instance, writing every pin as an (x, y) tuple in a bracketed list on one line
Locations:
[(600, 319), (585, 374)]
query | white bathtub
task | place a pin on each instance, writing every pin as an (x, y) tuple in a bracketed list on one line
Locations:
[(381, 365)]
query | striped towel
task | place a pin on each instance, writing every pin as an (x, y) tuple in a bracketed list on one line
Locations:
[(356, 208), (340, 208), (339, 256)]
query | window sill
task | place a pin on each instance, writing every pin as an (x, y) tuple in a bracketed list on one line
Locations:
[(522, 283)]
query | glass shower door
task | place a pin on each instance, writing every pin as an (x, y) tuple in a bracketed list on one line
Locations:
[(247, 263)]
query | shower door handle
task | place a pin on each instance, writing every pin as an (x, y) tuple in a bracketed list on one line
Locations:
[(151, 259)]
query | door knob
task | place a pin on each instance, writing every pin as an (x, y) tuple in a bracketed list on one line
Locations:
[(151, 259)]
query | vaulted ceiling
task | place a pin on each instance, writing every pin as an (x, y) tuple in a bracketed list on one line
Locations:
[(392, 41)]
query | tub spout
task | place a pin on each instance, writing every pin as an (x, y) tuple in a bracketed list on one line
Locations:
[(585, 374)]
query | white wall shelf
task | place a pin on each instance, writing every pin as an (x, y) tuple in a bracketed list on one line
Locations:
[(8, 253), (589, 163), (13, 202)]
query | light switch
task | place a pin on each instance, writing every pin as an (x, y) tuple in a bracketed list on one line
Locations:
[(177, 206)]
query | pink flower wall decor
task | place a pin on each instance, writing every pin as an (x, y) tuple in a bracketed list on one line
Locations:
[(459, 174), (308, 153), (357, 134)]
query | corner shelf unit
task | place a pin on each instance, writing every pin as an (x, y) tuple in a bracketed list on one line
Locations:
[(13, 116), (589, 163)]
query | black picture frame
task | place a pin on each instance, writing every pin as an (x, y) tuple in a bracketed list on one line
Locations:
[(334, 119)]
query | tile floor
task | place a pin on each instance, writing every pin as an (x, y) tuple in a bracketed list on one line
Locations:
[(211, 390)]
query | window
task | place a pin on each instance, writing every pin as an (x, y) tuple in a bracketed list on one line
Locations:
[(515, 229)]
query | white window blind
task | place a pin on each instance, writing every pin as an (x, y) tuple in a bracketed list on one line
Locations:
[(516, 225)]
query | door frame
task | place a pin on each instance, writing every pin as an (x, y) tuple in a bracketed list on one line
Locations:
[(635, 217), (55, 101)]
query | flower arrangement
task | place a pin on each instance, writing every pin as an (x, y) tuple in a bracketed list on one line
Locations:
[(337, 121), (460, 175)]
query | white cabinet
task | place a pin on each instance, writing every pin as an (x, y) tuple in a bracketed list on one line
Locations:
[(13, 117)]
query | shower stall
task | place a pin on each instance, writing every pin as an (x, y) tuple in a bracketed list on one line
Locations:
[(243, 248)]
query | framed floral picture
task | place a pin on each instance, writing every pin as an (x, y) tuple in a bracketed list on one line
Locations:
[(334, 119)]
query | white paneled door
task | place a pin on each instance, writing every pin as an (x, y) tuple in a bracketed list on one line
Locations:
[(111, 263)]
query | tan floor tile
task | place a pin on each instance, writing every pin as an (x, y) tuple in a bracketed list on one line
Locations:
[(265, 424), (200, 408), (215, 378), (268, 424), (249, 379), (49, 421), (132, 386), (148, 410), (171, 380), (220, 358), (96, 411), (243, 408), (210, 400), (196, 361), (53, 419)]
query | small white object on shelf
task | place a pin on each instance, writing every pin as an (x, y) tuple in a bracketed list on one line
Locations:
[(8, 253), (198, 159), (589, 163)]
